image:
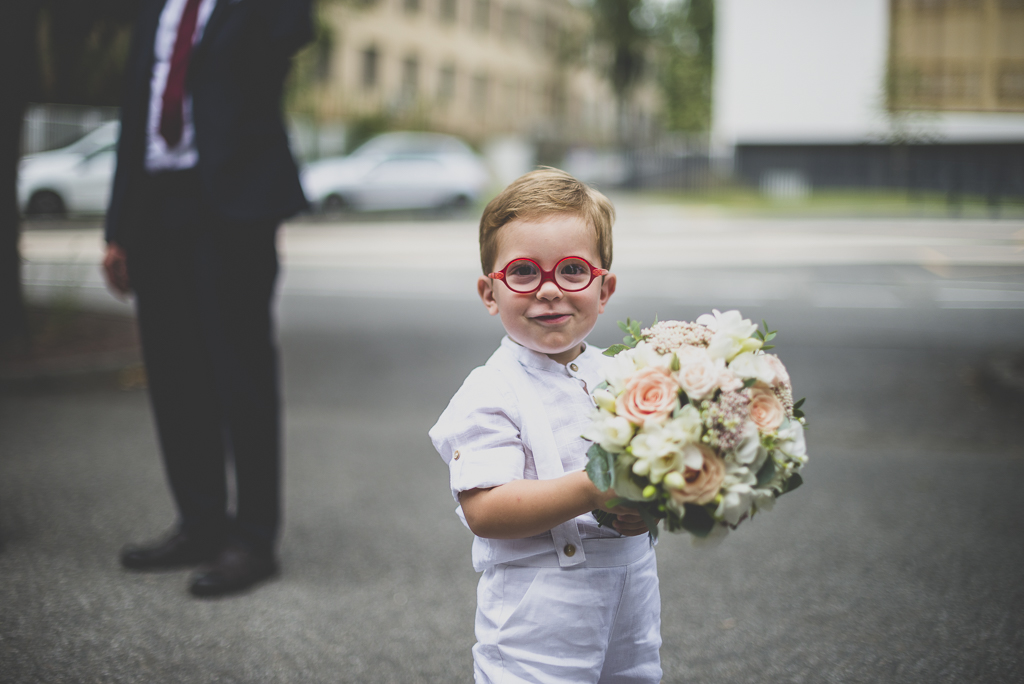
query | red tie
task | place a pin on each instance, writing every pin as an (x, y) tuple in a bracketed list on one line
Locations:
[(171, 115)]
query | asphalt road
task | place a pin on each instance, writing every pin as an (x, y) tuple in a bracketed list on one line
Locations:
[(900, 560)]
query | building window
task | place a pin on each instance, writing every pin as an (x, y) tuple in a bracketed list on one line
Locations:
[(371, 59), (482, 14), (447, 10), (446, 84), (956, 55), (410, 78)]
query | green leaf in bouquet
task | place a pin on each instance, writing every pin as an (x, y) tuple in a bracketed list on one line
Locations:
[(604, 518), (673, 523), (600, 467), (649, 519), (615, 349), (792, 483), (749, 382), (766, 473), (632, 329), (697, 520), (675, 363), (797, 411), (602, 385), (766, 347)]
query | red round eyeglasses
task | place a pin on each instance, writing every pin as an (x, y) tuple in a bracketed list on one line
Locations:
[(570, 274)]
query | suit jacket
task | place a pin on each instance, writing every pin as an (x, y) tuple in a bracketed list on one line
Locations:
[(236, 77)]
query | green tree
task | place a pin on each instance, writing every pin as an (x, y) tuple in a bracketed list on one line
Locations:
[(66, 51), (686, 41), (622, 27)]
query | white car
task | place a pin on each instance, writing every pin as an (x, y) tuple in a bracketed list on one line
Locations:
[(71, 180), (400, 170)]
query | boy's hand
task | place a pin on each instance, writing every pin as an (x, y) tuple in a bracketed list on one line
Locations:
[(627, 520)]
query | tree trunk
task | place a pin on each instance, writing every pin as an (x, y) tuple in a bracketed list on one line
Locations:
[(18, 24)]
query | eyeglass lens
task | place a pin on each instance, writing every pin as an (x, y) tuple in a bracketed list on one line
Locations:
[(522, 275)]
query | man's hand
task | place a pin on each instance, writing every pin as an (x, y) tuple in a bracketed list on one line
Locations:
[(115, 269)]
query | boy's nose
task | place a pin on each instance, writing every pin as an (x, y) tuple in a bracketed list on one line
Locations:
[(549, 290)]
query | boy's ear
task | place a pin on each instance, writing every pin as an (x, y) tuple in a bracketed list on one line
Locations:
[(485, 288), (608, 284)]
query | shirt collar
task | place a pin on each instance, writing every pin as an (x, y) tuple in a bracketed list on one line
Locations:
[(589, 364)]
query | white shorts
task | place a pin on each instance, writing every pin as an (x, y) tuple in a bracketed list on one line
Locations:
[(599, 621)]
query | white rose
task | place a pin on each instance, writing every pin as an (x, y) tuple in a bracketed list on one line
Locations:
[(732, 335), (698, 375), (749, 451), (727, 380), (610, 431), (750, 365)]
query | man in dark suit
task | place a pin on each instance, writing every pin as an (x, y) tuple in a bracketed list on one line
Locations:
[(204, 177)]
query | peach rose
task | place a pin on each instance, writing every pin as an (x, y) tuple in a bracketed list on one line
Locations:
[(698, 486), (698, 375), (650, 394), (766, 410)]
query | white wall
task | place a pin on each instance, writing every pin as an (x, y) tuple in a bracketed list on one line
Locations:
[(812, 71)]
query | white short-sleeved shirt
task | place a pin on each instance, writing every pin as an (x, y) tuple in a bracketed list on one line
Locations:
[(479, 437)]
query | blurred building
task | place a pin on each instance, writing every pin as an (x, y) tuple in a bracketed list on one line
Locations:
[(920, 94), (480, 69)]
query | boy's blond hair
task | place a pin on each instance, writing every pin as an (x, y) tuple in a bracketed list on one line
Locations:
[(546, 192)]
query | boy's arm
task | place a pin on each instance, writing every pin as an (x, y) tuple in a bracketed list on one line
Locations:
[(523, 508)]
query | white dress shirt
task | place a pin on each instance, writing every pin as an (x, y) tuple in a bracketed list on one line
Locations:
[(183, 155), (479, 436)]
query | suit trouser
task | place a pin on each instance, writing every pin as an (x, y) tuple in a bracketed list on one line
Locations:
[(204, 287)]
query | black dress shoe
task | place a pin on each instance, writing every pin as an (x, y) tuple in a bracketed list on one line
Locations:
[(178, 550), (236, 568)]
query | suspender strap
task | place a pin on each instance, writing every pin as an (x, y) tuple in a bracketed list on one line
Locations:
[(536, 432)]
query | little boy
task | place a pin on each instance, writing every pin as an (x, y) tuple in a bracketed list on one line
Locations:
[(560, 599)]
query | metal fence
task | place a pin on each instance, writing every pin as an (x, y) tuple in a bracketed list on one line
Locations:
[(49, 126)]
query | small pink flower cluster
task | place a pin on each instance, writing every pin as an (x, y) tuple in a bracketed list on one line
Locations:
[(726, 419)]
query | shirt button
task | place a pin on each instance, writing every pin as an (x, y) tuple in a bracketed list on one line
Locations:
[(574, 367), (456, 456), (569, 550)]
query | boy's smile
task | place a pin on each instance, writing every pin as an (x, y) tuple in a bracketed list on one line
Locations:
[(550, 320)]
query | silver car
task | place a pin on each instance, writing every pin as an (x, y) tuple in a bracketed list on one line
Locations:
[(71, 180), (399, 170)]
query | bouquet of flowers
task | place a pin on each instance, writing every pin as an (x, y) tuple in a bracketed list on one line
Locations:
[(696, 424)]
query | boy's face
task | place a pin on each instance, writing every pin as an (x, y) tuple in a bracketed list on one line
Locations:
[(549, 320)]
